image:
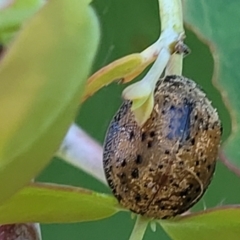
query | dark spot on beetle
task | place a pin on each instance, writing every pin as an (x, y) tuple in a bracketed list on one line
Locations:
[(183, 193), (167, 151), (200, 121), (108, 174), (143, 136), (145, 197), (174, 208), (197, 163), (165, 217), (165, 102), (163, 207), (131, 135), (124, 163), (149, 144), (204, 160), (196, 117), (181, 163), (110, 182), (117, 118), (221, 129), (138, 198), (141, 212), (160, 166), (114, 191), (107, 156), (135, 173), (209, 167), (131, 209), (205, 127), (185, 101), (188, 199), (175, 185), (163, 112), (190, 186), (176, 84), (119, 197), (188, 137), (118, 159), (152, 134), (193, 141), (169, 78), (138, 159), (151, 170), (197, 190), (198, 174)]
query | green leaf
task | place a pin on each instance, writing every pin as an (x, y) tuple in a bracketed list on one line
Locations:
[(208, 20), (12, 17), (42, 79), (220, 223), (124, 69), (47, 203)]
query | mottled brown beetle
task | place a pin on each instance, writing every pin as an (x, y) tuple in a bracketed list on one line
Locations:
[(163, 168)]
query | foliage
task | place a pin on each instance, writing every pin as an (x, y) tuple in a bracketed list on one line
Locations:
[(31, 73), (44, 87)]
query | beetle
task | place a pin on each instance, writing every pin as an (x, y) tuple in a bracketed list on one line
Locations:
[(162, 168)]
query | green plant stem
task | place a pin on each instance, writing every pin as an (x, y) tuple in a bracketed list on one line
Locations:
[(171, 18), (139, 228), (169, 42), (171, 26), (175, 65), (171, 15)]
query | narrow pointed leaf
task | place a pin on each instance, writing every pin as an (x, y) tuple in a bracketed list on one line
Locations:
[(124, 70), (220, 223), (208, 20), (47, 203), (139, 90), (142, 113), (42, 78)]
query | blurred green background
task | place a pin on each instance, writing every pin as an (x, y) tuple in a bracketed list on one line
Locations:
[(128, 27)]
